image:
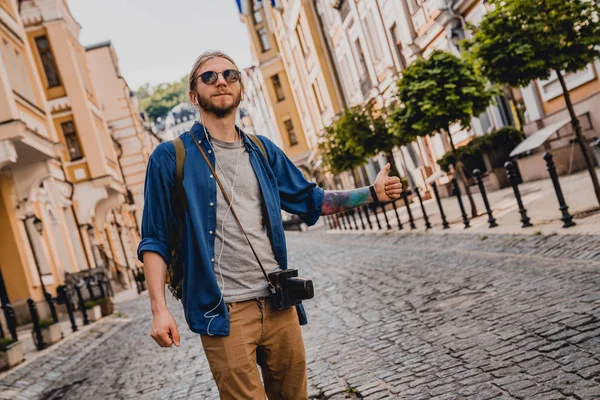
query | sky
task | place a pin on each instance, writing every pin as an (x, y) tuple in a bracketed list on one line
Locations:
[(158, 40)]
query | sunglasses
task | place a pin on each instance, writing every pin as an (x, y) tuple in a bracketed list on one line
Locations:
[(211, 77)]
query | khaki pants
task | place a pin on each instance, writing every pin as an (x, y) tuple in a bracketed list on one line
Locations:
[(259, 334)]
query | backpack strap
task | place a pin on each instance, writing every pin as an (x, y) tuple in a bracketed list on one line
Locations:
[(259, 144), (180, 161)]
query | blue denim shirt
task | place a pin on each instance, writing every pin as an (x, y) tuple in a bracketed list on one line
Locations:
[(282, 185)]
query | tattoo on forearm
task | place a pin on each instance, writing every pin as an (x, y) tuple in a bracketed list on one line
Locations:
[(336, 201)]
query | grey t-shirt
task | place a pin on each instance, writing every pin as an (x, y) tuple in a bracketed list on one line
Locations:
[(242, 276)]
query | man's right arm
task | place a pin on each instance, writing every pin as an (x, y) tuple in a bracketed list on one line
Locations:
[(154, 249), (164, 328)]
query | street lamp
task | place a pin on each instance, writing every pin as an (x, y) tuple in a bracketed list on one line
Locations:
[(37, 223)]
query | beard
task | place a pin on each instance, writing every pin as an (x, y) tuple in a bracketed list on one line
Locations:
[(208, 104)]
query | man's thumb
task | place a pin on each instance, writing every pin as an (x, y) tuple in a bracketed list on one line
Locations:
[(175, 335), (386, 169)]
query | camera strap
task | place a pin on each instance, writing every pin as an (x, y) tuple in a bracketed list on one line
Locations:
[(212, 170)]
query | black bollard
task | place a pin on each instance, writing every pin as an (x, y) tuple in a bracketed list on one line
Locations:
[(347, 218), (460, 203), (11, 320), (387, 222), (374, 209), (410, 216), (329, 223), (101, 287), (439, 203), (88, 283), (425, 217), (81, 302), (400, 227), (341, 217), (491, 219), (351, 212), (510, 171), (37, 330), (51, 306), (367, 216), (362, 223), (564, 209), (65, 298)]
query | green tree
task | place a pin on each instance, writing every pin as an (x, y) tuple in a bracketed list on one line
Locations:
[(158, 100), (436, 93), (523, 40), (347, 143)]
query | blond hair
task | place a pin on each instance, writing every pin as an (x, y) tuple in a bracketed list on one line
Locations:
[(200, 61)]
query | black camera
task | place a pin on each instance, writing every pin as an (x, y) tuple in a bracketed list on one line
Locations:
[(289, 289)]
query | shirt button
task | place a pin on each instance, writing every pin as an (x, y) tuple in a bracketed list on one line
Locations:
[(210, 151), (212, 259), (212, 204), (210, 232), (211, 176)]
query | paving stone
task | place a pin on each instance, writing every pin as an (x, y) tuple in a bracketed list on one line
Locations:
[(392, 315)]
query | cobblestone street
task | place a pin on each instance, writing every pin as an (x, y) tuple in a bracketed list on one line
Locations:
[(420, 316)]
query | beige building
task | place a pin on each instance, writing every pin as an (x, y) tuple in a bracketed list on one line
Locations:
[(63, 205), (256, 15)]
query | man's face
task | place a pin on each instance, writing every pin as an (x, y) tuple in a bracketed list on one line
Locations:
[(221, 98)]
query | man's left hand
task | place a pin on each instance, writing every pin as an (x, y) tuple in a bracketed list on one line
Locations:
[(387, 188)]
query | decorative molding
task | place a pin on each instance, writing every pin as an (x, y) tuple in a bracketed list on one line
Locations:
[(8, 153)]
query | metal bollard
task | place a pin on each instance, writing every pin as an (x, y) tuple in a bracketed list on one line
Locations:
[(400, 227), (425, 217), (374, 209), (510, 171), (11, 320), (81, 302), (439, 203), (51, 306), (101, 287), (564, 209), (351, 212), (491, 219), (65, 298), (362, 223), (88, 283), (410, 216), (37, 330), (367, 216), (387, 222), (460, 203), (341, 217)]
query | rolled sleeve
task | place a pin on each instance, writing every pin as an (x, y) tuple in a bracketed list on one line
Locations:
[(157, 214), (298, 195)]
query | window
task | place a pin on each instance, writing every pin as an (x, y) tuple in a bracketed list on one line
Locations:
[(257, 15), (398, 46), (343, 7), (15, 82), (278, 88), (371, 34), (289, 127), (414, 5), (301, 40), (28, 91), (264, 40), (68, 129), (317, 93), (361, 57), (47, 61)]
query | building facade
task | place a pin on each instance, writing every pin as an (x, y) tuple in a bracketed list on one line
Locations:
[(63, 193)]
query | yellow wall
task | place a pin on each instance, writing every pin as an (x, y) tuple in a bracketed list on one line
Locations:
[(577, 94), (14, 270)]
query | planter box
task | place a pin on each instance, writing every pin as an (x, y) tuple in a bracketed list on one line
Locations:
[(12, 356), (94, 314), (52, 334), (107, 308)]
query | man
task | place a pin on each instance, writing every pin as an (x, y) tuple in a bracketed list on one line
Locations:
[(225, 294)]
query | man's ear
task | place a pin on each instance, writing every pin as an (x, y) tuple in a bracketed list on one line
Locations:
[(193, 98)]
